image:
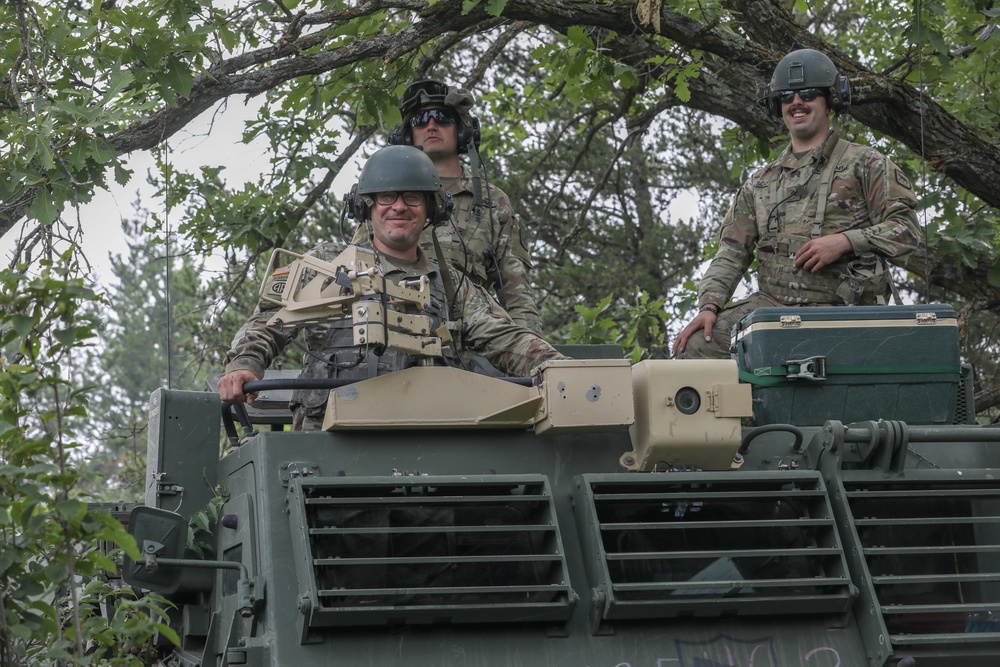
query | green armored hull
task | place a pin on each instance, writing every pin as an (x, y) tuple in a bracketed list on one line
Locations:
[(875, 543)]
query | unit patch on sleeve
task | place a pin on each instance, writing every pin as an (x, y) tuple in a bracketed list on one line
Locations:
[(903, 180)]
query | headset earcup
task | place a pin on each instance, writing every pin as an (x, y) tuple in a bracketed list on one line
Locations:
[(841, 94), (770, 103), (351, 202), (401, 135), (357, 208), (471, 132), (477, 132)]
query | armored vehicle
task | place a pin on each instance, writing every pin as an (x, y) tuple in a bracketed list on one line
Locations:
[(823, 499)]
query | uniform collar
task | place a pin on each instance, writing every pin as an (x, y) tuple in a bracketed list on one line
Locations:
[(420, 266), (459, 184), (788, 160)]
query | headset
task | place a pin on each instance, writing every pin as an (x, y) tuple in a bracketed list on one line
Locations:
[(439, 206), (838, 97)]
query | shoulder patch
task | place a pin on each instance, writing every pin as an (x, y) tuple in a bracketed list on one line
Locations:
[(760, 183), (902, 179)]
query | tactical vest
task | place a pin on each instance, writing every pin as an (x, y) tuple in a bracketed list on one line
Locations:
[(860, 281), (464, 253), (333, 354)]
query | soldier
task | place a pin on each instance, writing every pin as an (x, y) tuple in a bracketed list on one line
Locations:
[(483, 242), (399, 192), (822, 218)]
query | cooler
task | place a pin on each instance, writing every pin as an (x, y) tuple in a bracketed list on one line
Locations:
[(850, 363)]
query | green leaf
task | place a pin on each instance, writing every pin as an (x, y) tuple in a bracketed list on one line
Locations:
[(65, 336), (495, 7), (993, 275), (23, 324), (43, 208), (682, 90), (168, 632)]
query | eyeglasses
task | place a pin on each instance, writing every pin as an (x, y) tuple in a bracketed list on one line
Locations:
[(409, 198), (805, 94), (439, 116)]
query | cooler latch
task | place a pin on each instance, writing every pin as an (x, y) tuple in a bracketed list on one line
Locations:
[(810, 368)]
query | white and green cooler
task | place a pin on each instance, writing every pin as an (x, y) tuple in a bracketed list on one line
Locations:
[(853, 363)]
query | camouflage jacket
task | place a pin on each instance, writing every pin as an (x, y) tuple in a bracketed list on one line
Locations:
[(777, 210), (494, 256), (484, 328)]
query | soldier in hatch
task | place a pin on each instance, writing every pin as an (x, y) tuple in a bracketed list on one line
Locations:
[(821, 218), (482, 241), (398, 194)]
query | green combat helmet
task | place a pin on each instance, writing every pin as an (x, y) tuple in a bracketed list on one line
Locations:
[(807, 68), (399, 169)]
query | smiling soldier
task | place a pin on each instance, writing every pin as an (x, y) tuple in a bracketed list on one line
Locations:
[(821, 219)]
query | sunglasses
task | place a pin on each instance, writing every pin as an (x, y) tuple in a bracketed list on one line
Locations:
[(409, 198), (439, 116), (806, 95)]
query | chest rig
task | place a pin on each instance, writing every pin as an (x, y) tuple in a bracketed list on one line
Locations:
[(861, 280), (335, 353)]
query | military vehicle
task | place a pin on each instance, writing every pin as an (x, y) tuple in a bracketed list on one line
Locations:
[(823, 499)]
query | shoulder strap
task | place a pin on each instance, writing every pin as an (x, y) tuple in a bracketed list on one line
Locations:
[(449, 287), (477, 188), (824, 186)]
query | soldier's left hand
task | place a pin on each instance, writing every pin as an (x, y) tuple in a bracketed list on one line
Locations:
[(817, 253)]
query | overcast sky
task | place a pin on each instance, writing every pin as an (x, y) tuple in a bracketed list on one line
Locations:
[(190, 148)]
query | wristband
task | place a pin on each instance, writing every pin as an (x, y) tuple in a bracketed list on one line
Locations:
[(710, 308)]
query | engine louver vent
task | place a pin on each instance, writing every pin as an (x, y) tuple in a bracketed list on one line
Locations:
[(410, 550), (678, 544), (931, 543)]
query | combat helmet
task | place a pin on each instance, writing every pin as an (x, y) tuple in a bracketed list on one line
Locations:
[(399, 169), (428, 92), (807, 68)]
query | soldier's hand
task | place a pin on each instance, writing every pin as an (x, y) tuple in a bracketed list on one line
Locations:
[(704, 321), (231, 387), (817, 253)]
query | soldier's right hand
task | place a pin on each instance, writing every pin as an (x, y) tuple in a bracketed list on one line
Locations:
[(705, 321), (231, 387)]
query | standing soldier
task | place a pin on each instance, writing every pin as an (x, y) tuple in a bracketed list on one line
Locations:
[(482, 241), (821, 218)]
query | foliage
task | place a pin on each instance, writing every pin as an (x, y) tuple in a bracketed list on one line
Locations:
[(48, 560), (154, 337), (643, 334), (201, 522)]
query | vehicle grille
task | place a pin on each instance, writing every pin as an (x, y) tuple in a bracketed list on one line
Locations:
[(679, 544), (931, 543), (413, 550)]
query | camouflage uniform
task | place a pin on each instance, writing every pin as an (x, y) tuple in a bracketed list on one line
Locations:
[(868, 198), (479, 322), (489, 230)]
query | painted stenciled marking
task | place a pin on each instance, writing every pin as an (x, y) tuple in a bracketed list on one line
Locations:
[(820, 649), (726, 651), (720, 653)]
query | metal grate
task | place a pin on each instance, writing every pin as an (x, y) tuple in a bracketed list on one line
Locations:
[(409, 550), (679, 544), (932, 548)]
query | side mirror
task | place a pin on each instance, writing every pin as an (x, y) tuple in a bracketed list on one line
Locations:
[(160, 534)]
